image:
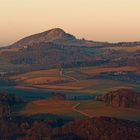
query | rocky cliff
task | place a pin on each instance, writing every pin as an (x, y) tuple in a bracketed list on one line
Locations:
[(122, 98)]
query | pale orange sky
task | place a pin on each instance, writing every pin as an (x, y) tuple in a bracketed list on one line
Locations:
[(101, 20)]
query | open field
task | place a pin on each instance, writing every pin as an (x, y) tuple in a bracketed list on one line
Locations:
[(42, 77), (77, 109), (97, 108), (76, 73), (51, 72), (46, 80), (86, 86), (37, 74), (60, 87), (99, 85), (55, 107), (98, 70), (76, 79)]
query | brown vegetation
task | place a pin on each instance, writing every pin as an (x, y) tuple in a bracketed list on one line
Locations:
[(102, 128)]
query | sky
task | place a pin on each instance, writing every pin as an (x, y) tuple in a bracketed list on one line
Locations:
[(98, 20)]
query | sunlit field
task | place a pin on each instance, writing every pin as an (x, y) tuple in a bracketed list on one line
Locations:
[(56, 107), (76, 79), (77, 109)]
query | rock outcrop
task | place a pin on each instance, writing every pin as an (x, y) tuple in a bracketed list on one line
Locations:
[(121, 98)]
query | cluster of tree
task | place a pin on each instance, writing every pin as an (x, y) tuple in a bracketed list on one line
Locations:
[(60, 96), (101, 128), (10, 99), (6, 82), (6, 103), (31, 127)]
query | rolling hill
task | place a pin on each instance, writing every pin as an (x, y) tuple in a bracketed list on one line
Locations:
[(56, 48)]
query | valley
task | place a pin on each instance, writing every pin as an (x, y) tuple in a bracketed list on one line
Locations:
[(52, 79)]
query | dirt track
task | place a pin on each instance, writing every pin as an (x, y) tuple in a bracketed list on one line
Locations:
[(83, 113)]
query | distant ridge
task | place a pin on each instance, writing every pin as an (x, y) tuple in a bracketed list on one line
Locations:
[(59, 36), (55, 34)]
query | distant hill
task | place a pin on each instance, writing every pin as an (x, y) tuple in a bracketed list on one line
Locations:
[(59, 36), (55, 47), (55, 35), (47, 36)]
